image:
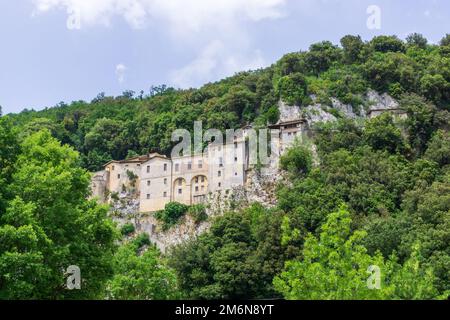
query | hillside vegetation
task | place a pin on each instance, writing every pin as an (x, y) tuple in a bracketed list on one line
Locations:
[(377, 199), (109, 128)]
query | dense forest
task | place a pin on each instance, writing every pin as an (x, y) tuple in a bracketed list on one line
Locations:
[(377, 196)]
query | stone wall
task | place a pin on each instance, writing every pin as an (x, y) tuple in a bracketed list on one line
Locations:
[(260, 187), (260, 184)]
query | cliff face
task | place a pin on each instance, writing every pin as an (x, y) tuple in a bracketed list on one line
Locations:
[(320, 112), (260, 184)]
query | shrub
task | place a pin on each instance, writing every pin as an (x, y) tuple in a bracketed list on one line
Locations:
[(387, 44), (171, 214), (198, 213), (296, 160), (115, 196), (127, 229), (292, 89), (142, 240), (132, 177)]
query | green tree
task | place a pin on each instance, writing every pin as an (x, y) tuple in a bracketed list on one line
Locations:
[(290, 63), (352, 46), (384, 69), (321, 56), (107, 136), (387, 44), (236, 259), (336, 265), (332, 267), (417, 39), (297, 160), (49, 225), (342, 134), (381, 133), (172, 213), (140, 274), (438, 149), (420, 124), (427, 212), (292, 89), (445, 41), (240, 100), (9, 151), (435, 88)]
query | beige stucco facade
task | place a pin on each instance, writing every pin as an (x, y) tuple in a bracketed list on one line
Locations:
[(158, 180)]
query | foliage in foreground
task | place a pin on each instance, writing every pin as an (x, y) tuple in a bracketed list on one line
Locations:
[(140, 274), (393, 176), (49, 225), (337, 266)]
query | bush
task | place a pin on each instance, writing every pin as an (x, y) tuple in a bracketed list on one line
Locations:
[(381, 133), (127, 229), (115, 196), (297, 160), (387, 44), (198, 213), (292, 89), (171, 214), (142, 240), (382, 70)]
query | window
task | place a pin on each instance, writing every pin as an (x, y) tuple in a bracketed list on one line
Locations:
[(177, 166), (219, 173), (113, 168), (196, 180), (180, 191), (220, 162), (165, 166), (203, 179), (196, 189), (235, 159), (148, 182), (118, 176), (220, 184), (165, 180), (138, 165), (200, 164), (165, 194), (235, 145), (189, 165), (148, 169), (148, 195), (235, 174)]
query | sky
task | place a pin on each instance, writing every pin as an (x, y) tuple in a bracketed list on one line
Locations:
[(55, 51)]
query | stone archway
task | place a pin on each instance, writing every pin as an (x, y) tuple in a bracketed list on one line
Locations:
[(180, 191)]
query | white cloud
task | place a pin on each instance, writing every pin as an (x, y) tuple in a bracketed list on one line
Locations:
[(215, 29), (215, 61), (183, 15), (121, 69)]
